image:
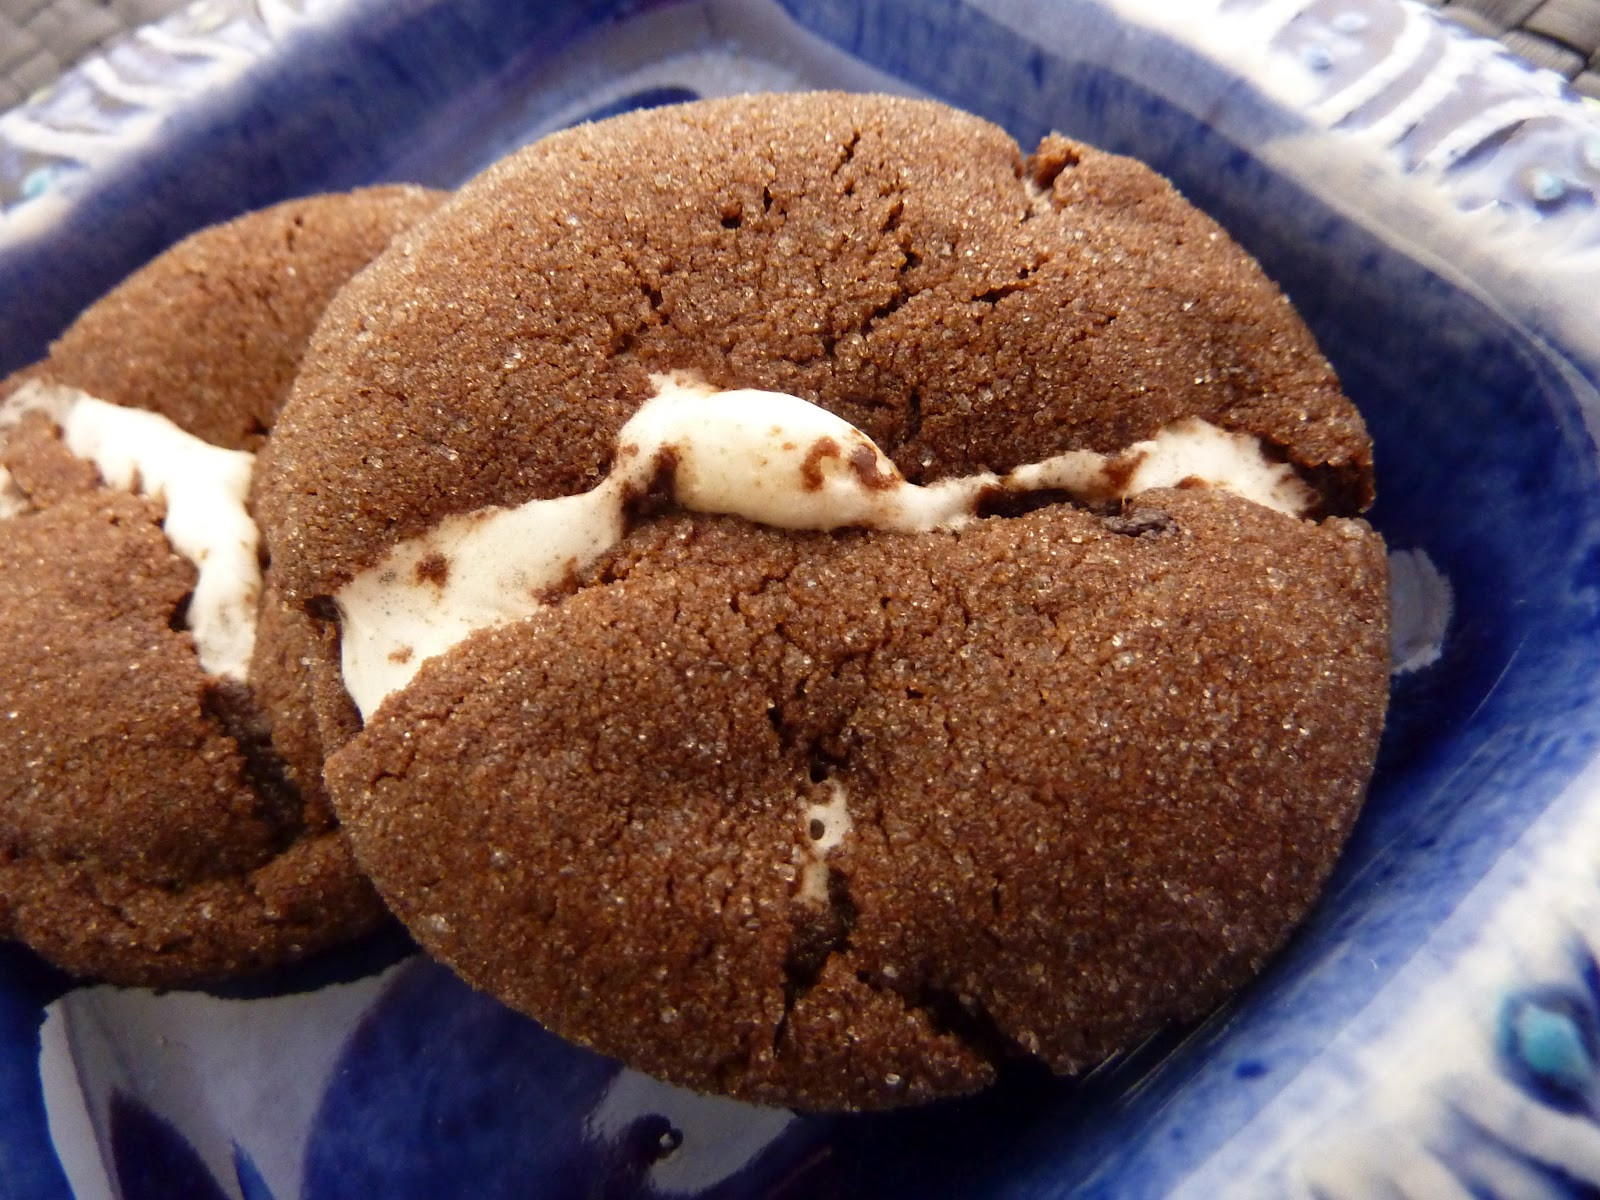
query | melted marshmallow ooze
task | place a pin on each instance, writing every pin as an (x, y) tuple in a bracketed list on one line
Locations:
[(765, 456), (205, 489)]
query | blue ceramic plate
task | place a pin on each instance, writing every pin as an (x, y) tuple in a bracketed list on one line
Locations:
[(1428, 202)]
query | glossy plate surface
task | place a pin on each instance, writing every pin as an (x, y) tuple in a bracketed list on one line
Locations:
[(1429, 204)]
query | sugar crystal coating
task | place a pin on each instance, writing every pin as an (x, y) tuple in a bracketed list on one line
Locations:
[(162, 818), (842, 818), (204, 491), (765, 456)]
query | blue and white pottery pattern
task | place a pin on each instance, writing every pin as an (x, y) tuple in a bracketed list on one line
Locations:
[(1428, 201), (121, 98)]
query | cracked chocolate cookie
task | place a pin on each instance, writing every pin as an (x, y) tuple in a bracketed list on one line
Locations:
[(162, 816), (816, 604)]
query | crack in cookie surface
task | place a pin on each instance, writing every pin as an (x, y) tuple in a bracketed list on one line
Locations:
[(491, 341), (203, 491), (765, 456), (161, 808), (1010, 725), (1097, 753)]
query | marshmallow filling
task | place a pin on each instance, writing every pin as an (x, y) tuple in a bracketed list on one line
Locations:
[(205, 490), (768, 457)]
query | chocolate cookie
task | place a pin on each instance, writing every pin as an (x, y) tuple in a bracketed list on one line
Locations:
[(162, 816), (825, 604)]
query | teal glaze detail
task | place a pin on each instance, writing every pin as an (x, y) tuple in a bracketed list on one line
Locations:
[(37, 182), (1551, 1045)]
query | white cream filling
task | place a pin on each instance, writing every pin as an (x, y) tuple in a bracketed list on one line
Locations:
[(204, 488), (827, 825), (765, 456)]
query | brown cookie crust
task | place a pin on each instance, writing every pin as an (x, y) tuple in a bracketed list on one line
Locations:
[(210, 333), (1097, 764), (1095, 777), (142, 839), (159, 825), (889, 259)]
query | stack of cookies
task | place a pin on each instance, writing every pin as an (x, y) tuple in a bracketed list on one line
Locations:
[(786, 591)]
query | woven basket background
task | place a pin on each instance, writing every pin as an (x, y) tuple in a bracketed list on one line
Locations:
[(1563, 35), (41, 38)]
